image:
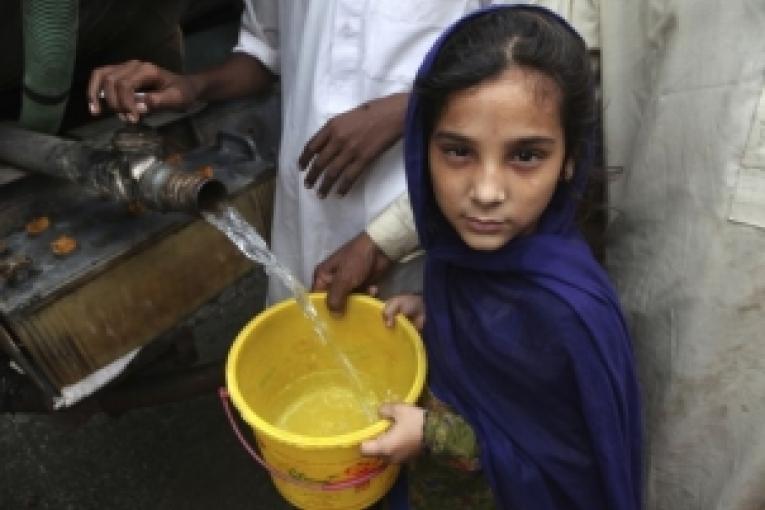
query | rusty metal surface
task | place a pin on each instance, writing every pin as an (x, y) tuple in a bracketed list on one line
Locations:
[(132, 275), (104, 230), (9, 345), (106, 313)]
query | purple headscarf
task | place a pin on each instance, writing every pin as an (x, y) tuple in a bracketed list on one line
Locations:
[(529, 345)]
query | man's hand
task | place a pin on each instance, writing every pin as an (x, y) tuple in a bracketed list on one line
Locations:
[(350, 142), (118, 84), (403, 440), (238, 76), (355, 265), (410, 305)]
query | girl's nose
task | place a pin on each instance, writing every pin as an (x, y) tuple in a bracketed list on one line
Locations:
[(487, 189)]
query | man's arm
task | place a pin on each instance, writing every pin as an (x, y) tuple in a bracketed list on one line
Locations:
[(250, 69), (161, 89)]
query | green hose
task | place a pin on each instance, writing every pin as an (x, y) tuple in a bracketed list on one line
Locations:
[(50, 43)]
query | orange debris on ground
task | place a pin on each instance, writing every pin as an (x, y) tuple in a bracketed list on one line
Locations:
[(206, 171), (64, 245), (38, 225), (135, 208), (174, 159)]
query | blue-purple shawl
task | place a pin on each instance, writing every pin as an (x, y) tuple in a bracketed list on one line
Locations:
[(528, 343)]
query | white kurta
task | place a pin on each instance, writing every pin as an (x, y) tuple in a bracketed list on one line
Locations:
[(334, 55)]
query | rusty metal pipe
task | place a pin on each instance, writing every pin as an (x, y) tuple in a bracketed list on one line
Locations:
[(124, 174)]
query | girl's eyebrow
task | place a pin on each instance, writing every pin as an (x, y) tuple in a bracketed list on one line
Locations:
[(533, 140), (451, 136)]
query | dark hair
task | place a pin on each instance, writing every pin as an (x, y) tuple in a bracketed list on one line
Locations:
[(489, 44)]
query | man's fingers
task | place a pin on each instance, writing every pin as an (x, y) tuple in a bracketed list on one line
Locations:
[(109, 92), (349, 177), (317, 168), (136, 76), (330, 177), (313, 146), (94, 89), (338, 292), (143, 75), (126, 93), (166, 98), (117, 86), (336, 171), (322, 279), (322, 162)]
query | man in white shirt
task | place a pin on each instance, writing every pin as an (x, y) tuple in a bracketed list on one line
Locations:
[(345, 68)]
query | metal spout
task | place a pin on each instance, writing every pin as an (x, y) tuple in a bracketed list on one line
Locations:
[(127, 172), (163, 188)]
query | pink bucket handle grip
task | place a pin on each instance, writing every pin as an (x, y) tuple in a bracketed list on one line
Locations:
[(276, 473)]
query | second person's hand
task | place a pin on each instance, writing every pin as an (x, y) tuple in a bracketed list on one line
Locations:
[(355, 265), (117, 85), (348, 143)]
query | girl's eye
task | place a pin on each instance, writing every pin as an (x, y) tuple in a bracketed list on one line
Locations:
[(456, 153), (527, 156)]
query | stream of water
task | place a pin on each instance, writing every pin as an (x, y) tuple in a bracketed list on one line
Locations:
[(234, 226)]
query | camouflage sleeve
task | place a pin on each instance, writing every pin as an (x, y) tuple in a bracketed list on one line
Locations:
[(449, 437)]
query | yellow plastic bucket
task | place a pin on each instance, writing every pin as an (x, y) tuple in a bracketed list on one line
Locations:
[(277, 369)]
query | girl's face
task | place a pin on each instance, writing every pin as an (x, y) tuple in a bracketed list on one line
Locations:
[(496, 155)]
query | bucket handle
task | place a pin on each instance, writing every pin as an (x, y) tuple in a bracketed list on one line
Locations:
[(285, 477)]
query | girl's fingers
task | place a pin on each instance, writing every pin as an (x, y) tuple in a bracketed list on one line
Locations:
[(371, 447), (391, 309), (387, 411), (379, 446)]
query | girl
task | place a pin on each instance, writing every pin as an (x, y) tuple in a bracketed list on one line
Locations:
[(533, 402)]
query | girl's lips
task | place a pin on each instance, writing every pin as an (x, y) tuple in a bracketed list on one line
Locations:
[(484, 226)]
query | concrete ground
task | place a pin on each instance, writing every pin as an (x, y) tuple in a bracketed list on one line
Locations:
[(177, 456), (180, 456)]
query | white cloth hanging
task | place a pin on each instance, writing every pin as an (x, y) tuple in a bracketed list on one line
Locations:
[(682, 80)]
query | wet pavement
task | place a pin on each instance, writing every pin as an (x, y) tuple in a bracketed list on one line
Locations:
[(176, 456)]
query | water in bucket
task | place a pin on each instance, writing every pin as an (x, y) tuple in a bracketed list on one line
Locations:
[(309, 412)]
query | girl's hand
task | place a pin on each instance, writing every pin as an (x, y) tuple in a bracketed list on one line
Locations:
[(411, 305), (403, 440)]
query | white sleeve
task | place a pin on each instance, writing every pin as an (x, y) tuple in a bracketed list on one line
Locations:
[(393, 230), (259, 32)]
